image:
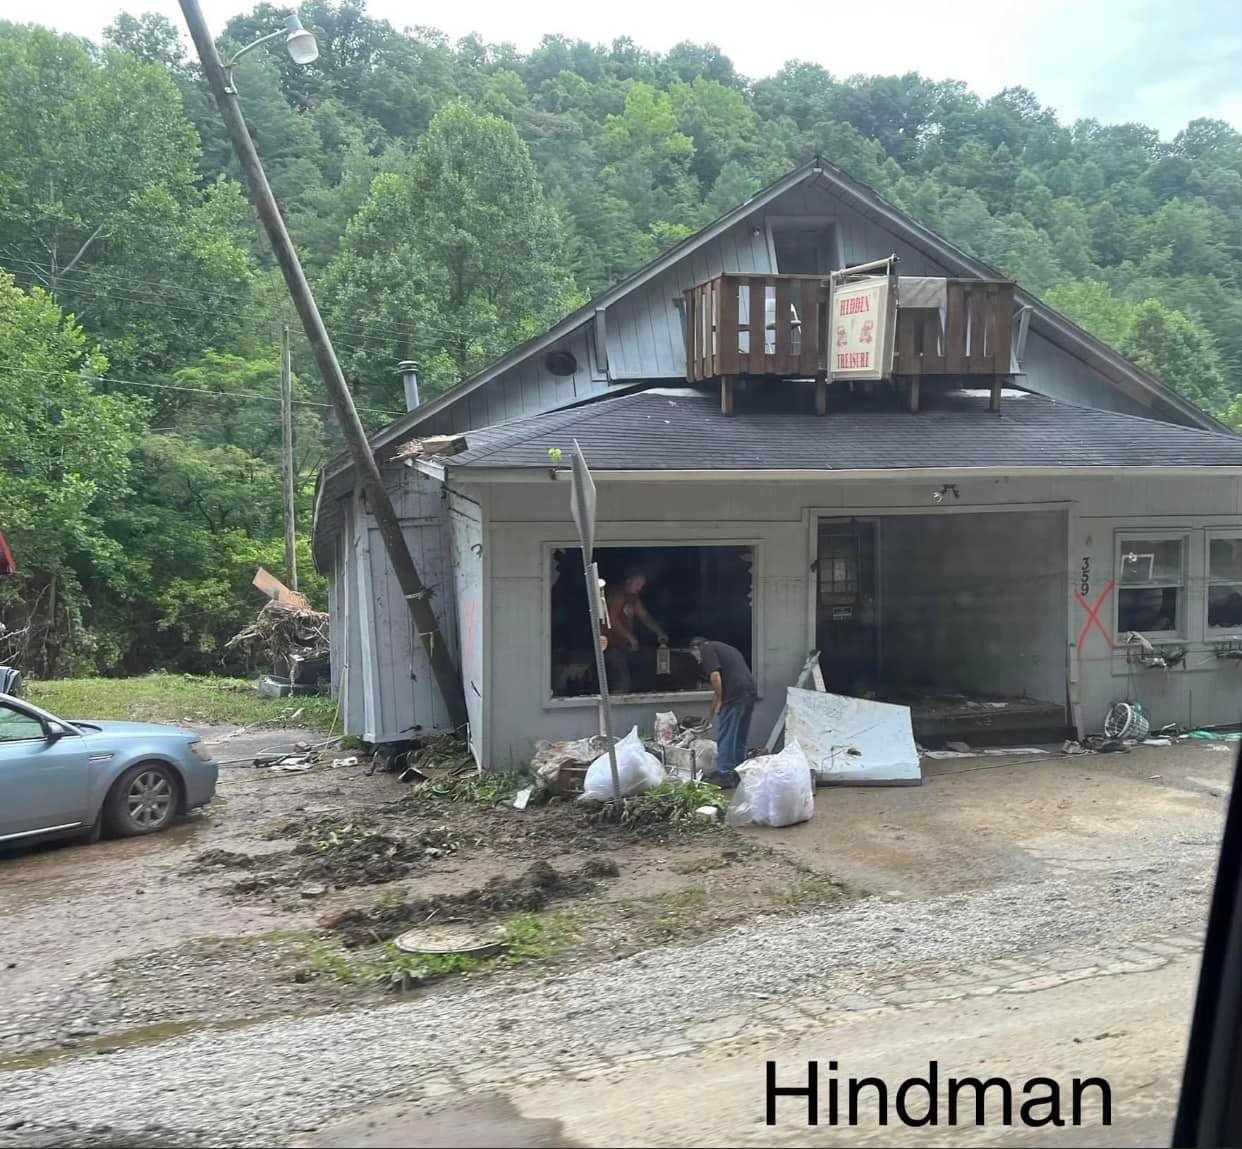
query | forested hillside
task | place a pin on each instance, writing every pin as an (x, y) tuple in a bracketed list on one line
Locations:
[(449, 200)]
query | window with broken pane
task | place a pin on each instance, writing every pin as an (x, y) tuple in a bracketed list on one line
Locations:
[(1224, 577), (689, 591), (1151, 577)]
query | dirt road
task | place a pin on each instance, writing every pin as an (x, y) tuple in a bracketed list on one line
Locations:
[(1014, 919)]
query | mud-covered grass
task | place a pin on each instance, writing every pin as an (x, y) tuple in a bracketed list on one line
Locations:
[(532, 890), (333, 853), (179, 700)]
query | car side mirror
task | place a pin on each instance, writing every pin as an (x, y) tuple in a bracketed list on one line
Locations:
[(55, 730)]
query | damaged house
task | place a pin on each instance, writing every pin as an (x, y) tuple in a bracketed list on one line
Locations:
[(1009, 530)]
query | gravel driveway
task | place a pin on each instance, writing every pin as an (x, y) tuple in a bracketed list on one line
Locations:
[(1122, 858)]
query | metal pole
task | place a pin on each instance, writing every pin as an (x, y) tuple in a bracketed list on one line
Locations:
[(286, 430), (605, 708), (417, 596)]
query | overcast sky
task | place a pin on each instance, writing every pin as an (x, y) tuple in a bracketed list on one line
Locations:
[(1162, 62)]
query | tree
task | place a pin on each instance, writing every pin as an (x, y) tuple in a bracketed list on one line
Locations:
[(1173, 346), (63, 467), (453, 258), (100, 200), (1178, 351)]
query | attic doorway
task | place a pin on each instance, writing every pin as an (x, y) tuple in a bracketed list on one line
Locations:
[(802, 247)]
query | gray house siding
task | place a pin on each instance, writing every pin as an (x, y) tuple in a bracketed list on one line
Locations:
[(380, 669), (646, 340), (1050, 526), (466, 531)]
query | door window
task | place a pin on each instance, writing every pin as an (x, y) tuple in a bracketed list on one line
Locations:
[(17, 725)]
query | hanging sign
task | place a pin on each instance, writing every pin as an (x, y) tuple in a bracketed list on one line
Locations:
[(862, 328)]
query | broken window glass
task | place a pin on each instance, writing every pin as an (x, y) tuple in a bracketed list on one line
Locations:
[(1151, 577), (1225, 583), (687, 591)]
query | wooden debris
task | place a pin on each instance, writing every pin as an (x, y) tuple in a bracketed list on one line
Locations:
[(431, 445)]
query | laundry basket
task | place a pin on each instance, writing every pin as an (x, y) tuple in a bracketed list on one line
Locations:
[(1126, 722)]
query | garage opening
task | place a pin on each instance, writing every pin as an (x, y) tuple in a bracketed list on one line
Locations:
[(961, 617), (687, 591)]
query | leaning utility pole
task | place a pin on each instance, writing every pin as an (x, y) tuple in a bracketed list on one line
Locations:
[(417, 596), (286, 443)]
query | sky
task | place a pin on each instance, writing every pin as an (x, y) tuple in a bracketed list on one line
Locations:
[(1154, 61)]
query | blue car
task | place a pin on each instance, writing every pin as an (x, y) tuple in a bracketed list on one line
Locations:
[(61, 779)]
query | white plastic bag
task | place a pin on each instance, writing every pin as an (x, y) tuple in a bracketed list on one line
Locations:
[(775, 790), (638, 771), (666, 728)]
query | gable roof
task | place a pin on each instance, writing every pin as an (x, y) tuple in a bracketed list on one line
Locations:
[(1048, 322), (681, 430)]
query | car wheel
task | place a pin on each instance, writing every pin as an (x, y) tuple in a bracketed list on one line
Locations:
[(143, 800)]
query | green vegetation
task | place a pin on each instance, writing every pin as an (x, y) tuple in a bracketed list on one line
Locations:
[(675, 803), (490, 789), (179, 698), (448, 200), (525, 937)]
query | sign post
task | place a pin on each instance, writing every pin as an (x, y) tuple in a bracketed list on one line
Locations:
[(582, 507)]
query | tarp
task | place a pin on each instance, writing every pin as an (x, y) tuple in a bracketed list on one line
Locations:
[(853, 741), (7, 565)]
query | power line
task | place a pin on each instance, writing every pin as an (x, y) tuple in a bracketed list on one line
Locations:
[(163, 285), (231, 395)]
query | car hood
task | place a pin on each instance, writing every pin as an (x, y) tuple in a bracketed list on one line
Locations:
[(147, 729)]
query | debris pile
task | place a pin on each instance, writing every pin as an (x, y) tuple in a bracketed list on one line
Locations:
[(532, 890), (336, 855), (293, 638)]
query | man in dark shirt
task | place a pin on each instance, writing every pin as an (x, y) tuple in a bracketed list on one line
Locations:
[(733, 702)]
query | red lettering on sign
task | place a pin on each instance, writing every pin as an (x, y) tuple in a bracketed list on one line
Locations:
[(855, 304), (853, 360)]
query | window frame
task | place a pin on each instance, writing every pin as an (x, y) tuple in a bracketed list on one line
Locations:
[(17, 708), (1131, 535), (553, 701), (1234, 534)]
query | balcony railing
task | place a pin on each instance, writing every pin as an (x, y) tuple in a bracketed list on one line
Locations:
[(775, 326)]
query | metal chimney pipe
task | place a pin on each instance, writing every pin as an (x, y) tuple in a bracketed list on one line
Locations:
[(409, 378)]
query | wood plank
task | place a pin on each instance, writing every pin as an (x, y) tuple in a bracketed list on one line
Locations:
[(758, 336), (998, 381), (692, 371), (907, 357), (713, 326), (726, 394), (1002, 328), (821, 393), (808, 361), (955, 336), (727, 331), (933, 344), (784, 360), (914, 393), (975, 362)]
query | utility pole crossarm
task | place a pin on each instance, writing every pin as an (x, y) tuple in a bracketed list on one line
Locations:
[(447, 678)]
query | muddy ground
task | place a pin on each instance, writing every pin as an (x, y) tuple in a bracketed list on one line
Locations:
[(221, 921)]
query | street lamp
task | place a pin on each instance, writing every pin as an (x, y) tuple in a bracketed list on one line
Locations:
[(299, 43), (301, 47)]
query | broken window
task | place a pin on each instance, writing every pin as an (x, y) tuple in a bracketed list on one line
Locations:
[(1224, 603), (1151, 578), (687, 591)]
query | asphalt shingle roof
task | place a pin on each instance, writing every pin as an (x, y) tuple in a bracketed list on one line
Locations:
[(658, 430)]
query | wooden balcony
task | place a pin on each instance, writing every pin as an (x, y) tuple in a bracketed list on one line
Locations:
[(776, 326)]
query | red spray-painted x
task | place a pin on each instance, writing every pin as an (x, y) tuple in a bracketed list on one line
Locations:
[(1093, 616)]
